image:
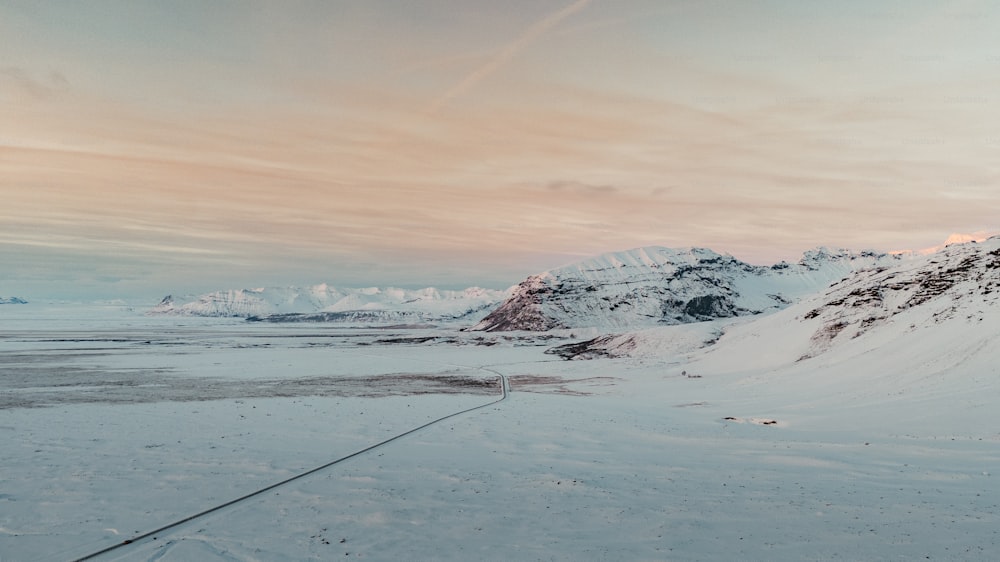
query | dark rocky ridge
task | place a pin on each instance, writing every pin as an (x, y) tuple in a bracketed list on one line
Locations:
[(949, 281)]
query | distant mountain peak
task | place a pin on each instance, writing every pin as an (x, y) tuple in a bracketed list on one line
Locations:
[(954, 238), (12, 300)]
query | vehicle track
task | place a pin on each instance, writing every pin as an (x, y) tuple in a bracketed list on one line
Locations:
[(138, 539)]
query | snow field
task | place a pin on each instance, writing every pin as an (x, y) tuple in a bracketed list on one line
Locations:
[(90, 475), (600, 477), (885, 447)]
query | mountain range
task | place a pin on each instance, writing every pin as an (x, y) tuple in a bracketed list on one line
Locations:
[(937, 312), (324, 303), (849, 292), (657, 286)]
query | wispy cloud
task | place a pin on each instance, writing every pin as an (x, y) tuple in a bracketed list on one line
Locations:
[(579, 187), (635, 123), (23, 83), (504, 55)]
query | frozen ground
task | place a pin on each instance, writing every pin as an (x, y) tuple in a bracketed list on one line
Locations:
[(114, 424)]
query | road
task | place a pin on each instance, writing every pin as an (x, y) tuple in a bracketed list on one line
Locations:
[(155, 533)]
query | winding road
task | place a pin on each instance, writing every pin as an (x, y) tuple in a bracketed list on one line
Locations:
[(142, 538)]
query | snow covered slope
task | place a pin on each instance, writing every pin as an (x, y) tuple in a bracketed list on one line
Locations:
[(957, 288), (655, 286), (918, 320), (326, 303), (12, 300)]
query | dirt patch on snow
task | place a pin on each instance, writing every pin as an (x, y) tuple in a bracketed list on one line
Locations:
[(42, 387), (558, 385), (755, 421)]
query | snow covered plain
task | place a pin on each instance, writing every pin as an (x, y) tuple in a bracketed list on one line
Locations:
[(884, 447)]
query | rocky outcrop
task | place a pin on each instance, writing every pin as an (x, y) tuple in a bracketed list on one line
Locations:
[(523, 310), (961, 280)]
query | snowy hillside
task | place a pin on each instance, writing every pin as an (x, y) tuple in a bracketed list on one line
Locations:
[(12, 300), (326, 303), (656, 286), (931, 314), (959, 285)]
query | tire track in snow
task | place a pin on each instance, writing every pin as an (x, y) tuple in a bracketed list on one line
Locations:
[(145, 537)]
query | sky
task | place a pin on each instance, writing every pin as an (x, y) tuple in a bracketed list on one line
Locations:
[(154, 147)]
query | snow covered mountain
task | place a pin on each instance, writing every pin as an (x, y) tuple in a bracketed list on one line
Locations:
[(954, 238), (656, 286), (933, 313), (332, 304), (12, 300), (960, 282)]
